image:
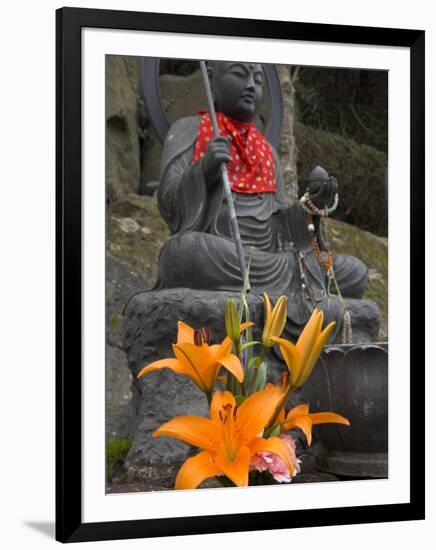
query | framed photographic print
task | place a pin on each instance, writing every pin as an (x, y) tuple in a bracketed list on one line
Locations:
[(240, 245)]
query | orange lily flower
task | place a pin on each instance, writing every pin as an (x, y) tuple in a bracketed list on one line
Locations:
[(198, 360), (302, 356), (229, 439), (275, 320), (299, 417)]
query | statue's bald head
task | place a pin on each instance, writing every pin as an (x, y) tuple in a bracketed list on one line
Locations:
[(237, 87)]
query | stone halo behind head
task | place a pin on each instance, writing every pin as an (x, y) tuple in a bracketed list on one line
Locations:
[(149, 73)]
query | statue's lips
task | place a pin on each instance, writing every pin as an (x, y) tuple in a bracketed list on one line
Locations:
[(248, 98)]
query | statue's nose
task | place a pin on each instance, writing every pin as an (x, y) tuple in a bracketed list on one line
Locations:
[(250, 83)]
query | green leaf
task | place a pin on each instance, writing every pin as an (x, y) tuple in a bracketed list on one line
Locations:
[(248, 344), (261, 377), (253, 362), (239, 399), (232, 320)]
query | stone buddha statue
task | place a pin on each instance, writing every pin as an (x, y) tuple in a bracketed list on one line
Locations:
[(279, 240)]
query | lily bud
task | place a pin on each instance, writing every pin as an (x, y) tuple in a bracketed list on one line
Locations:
[(275, 319), (233, 327)]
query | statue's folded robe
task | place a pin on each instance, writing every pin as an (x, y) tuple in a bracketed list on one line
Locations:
[(201, 253)]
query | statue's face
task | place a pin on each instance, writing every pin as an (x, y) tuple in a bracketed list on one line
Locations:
[(238, 89)]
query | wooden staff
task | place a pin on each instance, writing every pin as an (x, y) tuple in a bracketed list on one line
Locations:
[(225, 177)]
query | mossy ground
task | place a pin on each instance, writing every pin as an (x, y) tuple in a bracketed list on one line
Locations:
[(373, 251), (116, 452), (139, 248)]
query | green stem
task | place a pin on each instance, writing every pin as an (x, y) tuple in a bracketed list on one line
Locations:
[(209, 398), (256, 372), (270, 430), (262, 354)]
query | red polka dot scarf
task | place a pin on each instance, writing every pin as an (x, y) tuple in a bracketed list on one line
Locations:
[(251, 169)]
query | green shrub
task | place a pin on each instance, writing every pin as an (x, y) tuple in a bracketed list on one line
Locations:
[(359, 169)]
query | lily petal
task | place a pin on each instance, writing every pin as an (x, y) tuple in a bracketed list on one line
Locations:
[(256, 411), (185, 333), (268, 309), (309, 335), (246, 325), (299, 417), (274, 445), (278, 320), (210, 375), (291, 355), (327, 418), (173, 364), (219, 400), (195, 360), (315, 352), (219, 350), (305, 425), (236, 470), (194, 430), (232, 363), (298, 411), (195, 470)]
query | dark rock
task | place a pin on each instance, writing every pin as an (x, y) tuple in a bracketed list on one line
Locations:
[(157, 477), (163, 396), (355, 465), (310, 456), (314, 477), (365, 318), (287, 148), (182, 96), (118, 488), (121, 281), (122, 141), (121, 397)]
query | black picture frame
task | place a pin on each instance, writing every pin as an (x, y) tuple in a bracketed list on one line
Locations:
[(69, 22)]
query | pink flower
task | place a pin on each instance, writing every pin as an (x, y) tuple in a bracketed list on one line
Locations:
[(271, 462)]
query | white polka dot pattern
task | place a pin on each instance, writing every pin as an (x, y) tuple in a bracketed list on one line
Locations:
[(251, 169)]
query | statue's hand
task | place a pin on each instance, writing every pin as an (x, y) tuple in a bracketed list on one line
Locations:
[(322, 193), (217, 152)]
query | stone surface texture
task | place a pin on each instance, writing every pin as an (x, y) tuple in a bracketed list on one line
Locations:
[(122, 397), (122, 135), (287, 148)]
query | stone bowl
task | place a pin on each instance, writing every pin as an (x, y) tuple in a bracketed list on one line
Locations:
[(352, 380)]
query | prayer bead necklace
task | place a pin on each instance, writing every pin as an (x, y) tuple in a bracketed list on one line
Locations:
[(310, 208), (327, 262)]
